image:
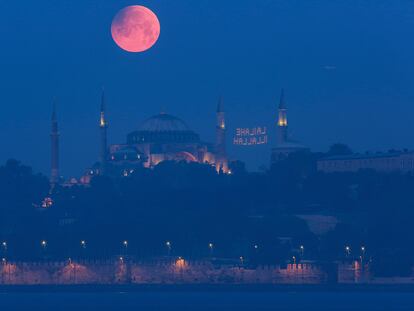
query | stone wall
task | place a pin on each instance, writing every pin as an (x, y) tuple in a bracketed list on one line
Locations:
[(157, 272)]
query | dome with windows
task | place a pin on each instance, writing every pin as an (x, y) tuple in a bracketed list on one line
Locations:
[(163, 123), (163, 128)]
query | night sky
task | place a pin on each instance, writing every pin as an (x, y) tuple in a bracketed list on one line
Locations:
[(347, 67)]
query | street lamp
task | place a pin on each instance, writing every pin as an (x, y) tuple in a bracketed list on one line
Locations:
[(294, 260), (241, 259), (83, 243), (363, 250), (43, 243), (211, 246), (347, 250), (302, 250), (125, 243), (168, 245), (4, 245)]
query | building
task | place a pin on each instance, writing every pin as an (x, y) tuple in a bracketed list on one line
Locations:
[(162, 137), (397, 161), (284, 146)]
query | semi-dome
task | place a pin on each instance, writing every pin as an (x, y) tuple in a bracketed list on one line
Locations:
[(163, 128), (163, 123)]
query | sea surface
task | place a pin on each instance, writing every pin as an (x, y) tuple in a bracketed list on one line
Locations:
[(204, 300)]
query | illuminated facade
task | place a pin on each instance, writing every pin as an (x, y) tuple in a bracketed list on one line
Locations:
[(284, 146), (162, 137)]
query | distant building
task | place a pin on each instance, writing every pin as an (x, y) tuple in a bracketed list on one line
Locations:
[(162, 137), (284, 146), (381, 162)]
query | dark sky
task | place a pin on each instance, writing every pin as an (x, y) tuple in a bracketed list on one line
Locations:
[(347, 67)]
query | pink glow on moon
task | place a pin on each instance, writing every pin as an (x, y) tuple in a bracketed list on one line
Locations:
[(135, 28)]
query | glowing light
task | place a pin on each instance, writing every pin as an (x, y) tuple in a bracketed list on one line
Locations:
[(180, 262), (250, 136), (102, 122), (47, 202), (282, 121), (43, 243)]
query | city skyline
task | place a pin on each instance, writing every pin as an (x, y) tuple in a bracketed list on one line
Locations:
[(332, 90)]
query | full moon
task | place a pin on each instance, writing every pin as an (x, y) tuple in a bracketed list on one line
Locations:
[(135, 28)]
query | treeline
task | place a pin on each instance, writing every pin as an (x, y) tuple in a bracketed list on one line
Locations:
[(252, 215)]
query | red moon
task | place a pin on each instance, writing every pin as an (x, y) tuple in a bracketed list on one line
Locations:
[(135, 28)]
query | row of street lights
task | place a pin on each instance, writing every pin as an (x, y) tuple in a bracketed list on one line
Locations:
[(348, 250), (168, 245)]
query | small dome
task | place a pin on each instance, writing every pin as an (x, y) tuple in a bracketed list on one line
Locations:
[(163, 123)]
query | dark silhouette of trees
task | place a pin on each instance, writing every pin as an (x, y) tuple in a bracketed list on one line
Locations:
[(190, 205)]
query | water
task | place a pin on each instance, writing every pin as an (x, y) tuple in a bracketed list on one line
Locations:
[(200, 301)]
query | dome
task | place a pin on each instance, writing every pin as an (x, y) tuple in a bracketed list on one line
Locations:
[(163, 128), (163, 123)]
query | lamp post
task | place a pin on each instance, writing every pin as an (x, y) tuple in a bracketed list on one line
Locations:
[(43, 245), (302, 250), (125, 247), (4, 247), (363, 251), (82, 248), (294, 260), (347, 251), (168, 245), (211, 248)]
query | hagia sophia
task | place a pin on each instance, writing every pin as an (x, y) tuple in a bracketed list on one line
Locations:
[(164, 137)]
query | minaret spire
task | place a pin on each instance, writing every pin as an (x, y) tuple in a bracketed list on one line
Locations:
[(54, 139), (103, 125), (282, 102), (221, 156)]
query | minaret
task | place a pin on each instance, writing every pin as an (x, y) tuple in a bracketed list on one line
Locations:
[(54, 139), (221, 156), (103, 125), (282, 124)]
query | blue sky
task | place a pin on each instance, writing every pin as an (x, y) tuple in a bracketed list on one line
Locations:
[(347, 68)]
